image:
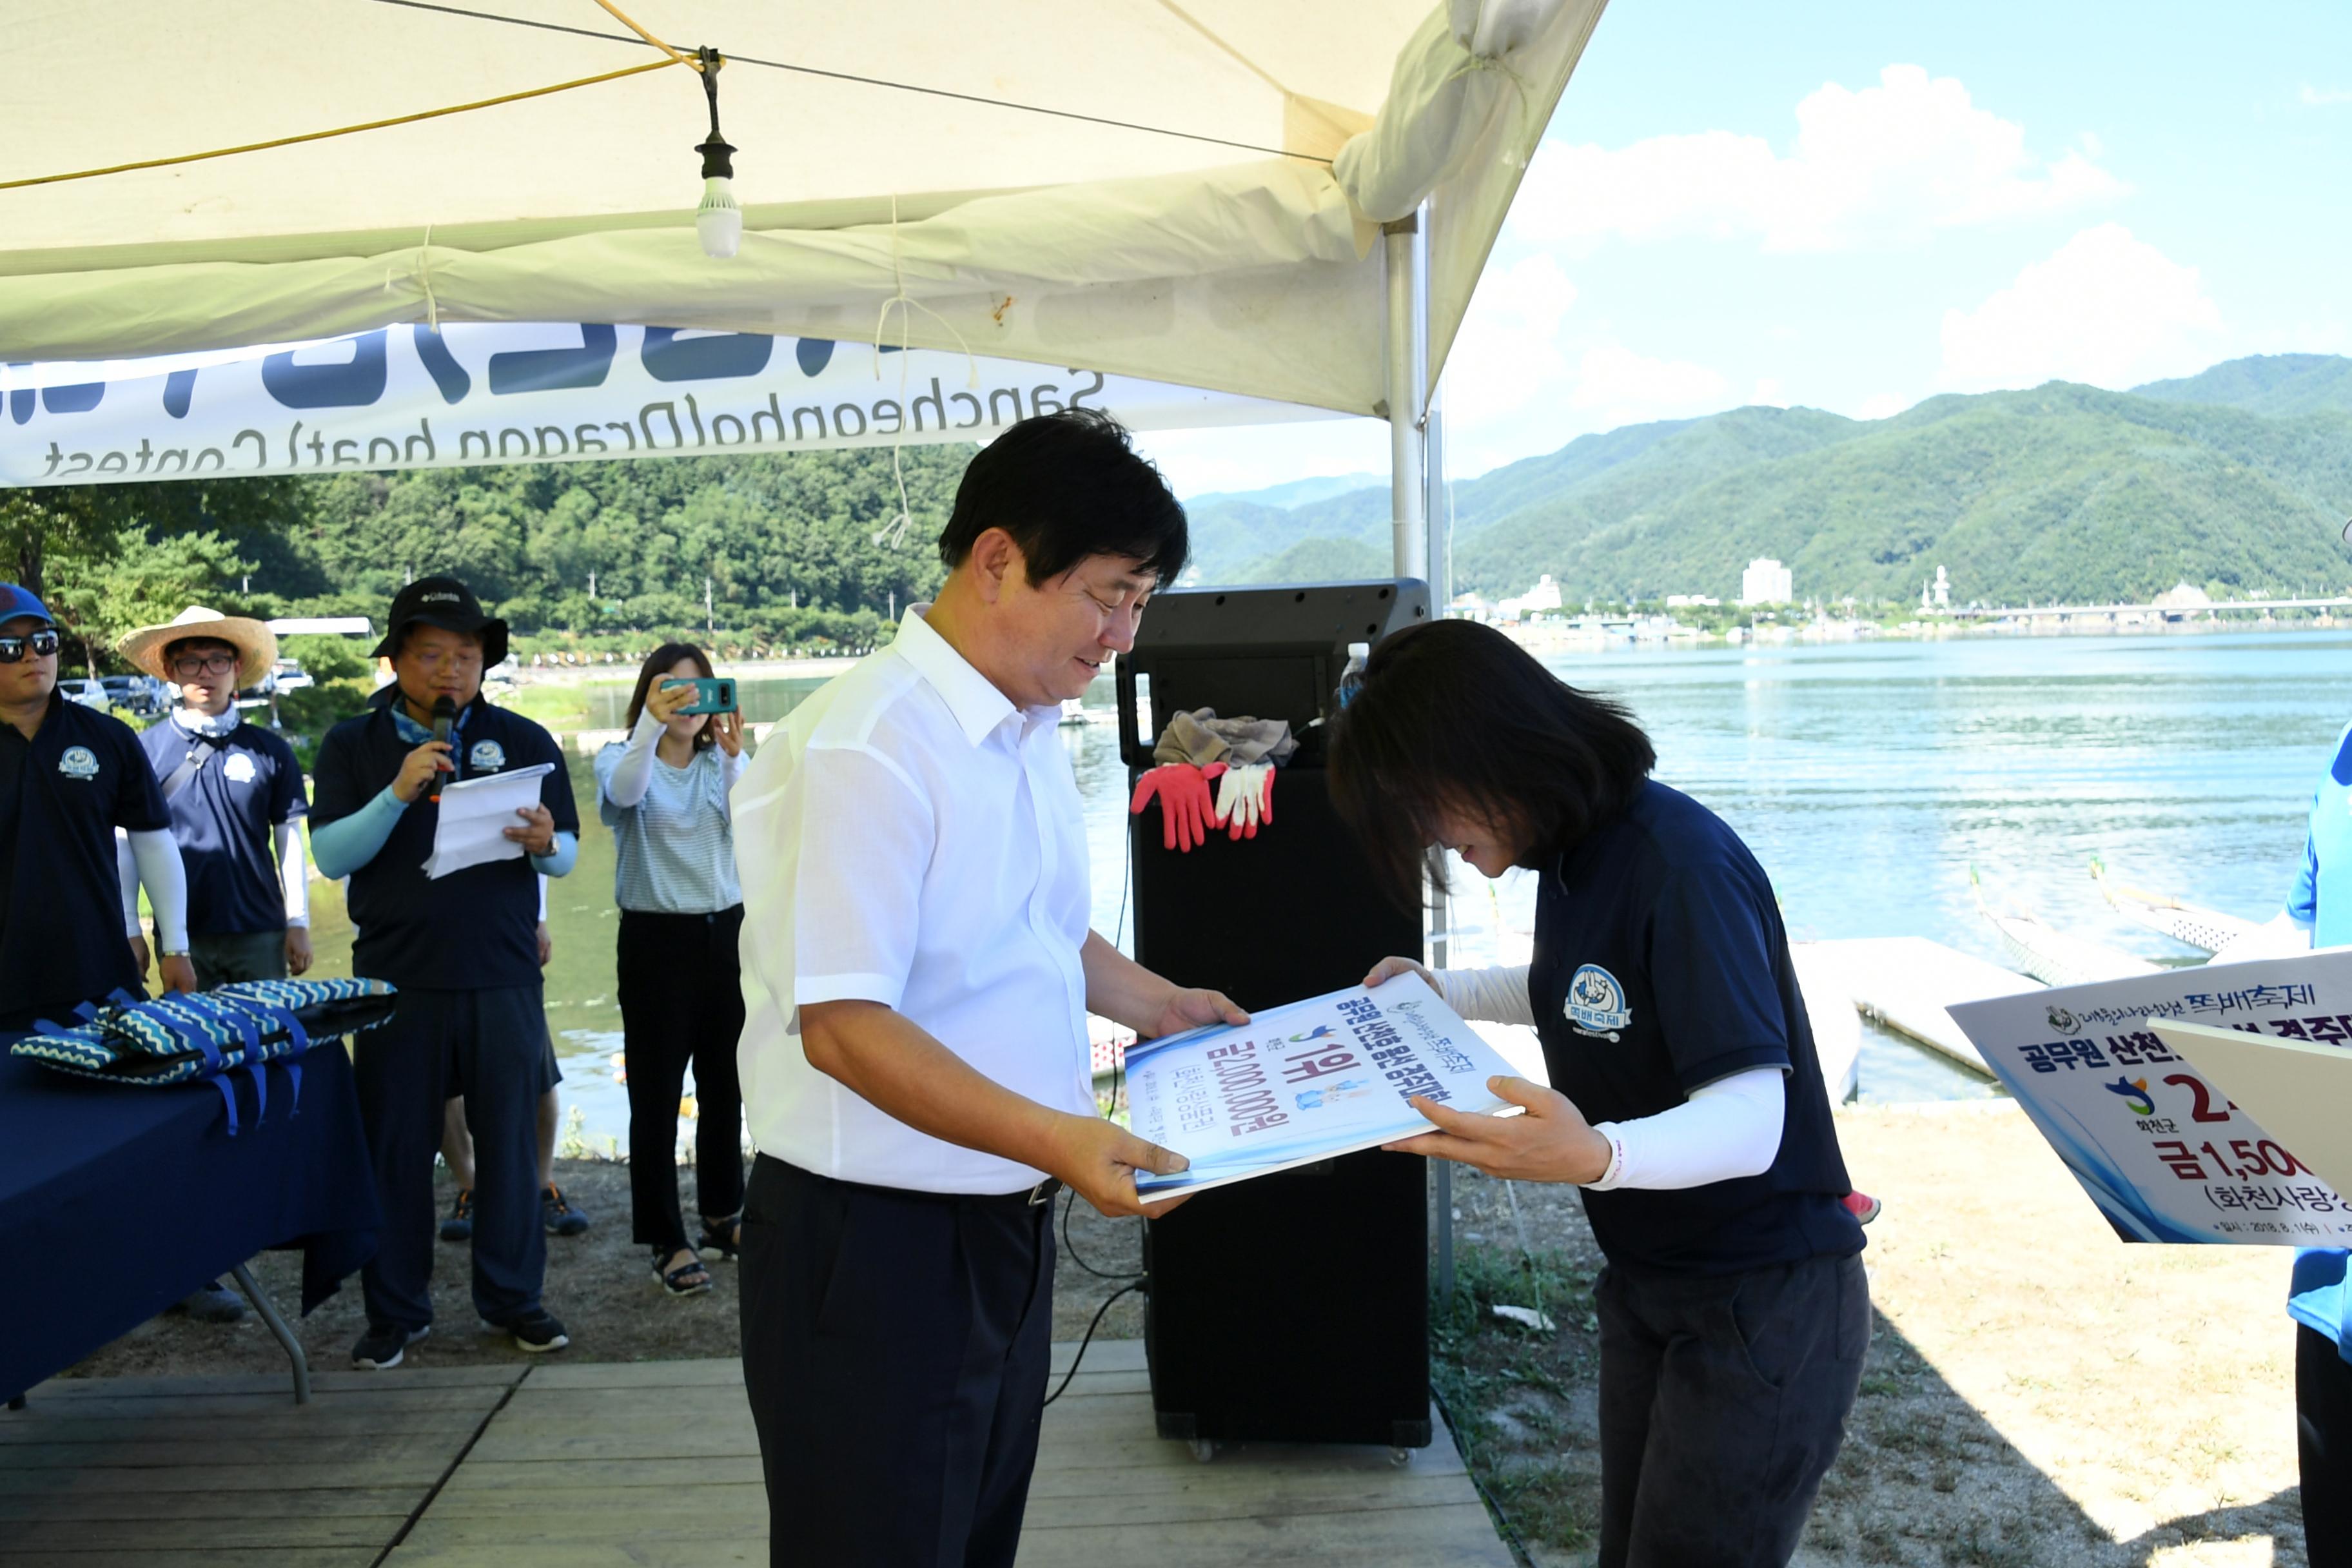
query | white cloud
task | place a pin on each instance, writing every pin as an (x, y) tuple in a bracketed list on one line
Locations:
[(1625, 388), (1251, 457), (1882, 406), (1507, 353), (2323, 97), (1883, 164), (1768, 392), (2104, 308)]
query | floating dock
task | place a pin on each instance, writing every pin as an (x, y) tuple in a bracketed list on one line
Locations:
[(1907, 982)]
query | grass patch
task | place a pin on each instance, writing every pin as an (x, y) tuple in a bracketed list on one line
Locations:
[(561, 708), (1512, 1393)]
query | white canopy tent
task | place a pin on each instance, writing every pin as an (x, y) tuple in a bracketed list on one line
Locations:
[(1190, 193)]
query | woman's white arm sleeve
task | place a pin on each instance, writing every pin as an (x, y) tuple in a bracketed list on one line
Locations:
[(158, 856), (293, 873), (126, 875), (1726, 1129), (731, 769), (634, 771), (1494, 995)]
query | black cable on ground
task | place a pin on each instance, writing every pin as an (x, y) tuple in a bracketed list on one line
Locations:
[(1519, 1553), (1079, 1360), (1070, 1199)]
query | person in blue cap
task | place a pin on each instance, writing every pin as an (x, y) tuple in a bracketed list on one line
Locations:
[(69, 778), (462, 949)]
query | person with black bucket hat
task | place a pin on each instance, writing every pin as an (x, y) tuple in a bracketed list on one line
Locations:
[(463, 950)]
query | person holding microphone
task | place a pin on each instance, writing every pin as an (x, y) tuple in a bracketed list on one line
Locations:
[(463, 950), (1687, 1099), (664, 792), (918, 969)]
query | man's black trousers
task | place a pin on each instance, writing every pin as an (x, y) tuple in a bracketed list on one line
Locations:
[(2323, 1408), (486, 1046), (895, 1350), (681, 1001)]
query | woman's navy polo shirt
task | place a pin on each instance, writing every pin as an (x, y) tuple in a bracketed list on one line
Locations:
[(62, 795), (475, 929), (247, 784), (1660, 966)]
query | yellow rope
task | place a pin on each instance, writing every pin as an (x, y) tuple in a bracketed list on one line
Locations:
[(674, 58), (626, 21)]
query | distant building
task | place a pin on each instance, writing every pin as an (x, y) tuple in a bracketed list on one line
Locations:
[(1692, 602), (1766, 582), (1542, 599), (2183, 596), (1943, 590)]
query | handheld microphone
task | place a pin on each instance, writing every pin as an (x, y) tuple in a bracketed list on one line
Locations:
[(445, 715)]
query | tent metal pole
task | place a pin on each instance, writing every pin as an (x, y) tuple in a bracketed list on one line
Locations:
[(1406, 251)]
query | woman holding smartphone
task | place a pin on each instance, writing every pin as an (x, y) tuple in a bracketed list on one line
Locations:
[(664, 792), (1686, 1101)]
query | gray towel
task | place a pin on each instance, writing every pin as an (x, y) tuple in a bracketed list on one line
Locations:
[(1201, 738)]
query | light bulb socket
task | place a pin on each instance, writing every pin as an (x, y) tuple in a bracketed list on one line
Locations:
[(718, 160)]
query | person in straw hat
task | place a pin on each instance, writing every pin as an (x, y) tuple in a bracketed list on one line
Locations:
[(235, 793)]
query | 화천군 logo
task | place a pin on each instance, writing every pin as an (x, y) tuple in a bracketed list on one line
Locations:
[(1596, 1003), (2135, 1093)]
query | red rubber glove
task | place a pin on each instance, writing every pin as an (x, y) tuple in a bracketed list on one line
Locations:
[(1186, 814)]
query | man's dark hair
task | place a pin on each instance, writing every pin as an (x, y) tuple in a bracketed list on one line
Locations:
[(1067, 486), (1454, 716)]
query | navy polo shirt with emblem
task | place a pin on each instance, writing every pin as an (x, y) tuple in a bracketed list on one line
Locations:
[(246, 782), (1660, 966), (474, 930), (62, 795)]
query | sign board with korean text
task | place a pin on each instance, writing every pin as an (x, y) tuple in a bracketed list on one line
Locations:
[(2159, 1146), (1303, 1082)]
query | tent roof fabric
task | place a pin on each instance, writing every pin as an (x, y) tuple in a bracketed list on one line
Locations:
[(1187, 191)]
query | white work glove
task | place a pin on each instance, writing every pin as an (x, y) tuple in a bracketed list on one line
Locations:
[(1245, 799)]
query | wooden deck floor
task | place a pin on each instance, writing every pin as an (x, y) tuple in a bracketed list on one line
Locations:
[(572, 1465)]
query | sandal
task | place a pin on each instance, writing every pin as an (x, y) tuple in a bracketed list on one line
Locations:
[(689, 1278), (724, 1235)]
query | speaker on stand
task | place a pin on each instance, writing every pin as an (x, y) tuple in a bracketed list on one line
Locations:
[(1293, 1307)]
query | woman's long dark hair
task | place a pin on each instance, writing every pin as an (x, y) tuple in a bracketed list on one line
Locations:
[(658, 663), (1455, 717)]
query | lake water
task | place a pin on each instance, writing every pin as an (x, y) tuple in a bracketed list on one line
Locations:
[(1867, 777)]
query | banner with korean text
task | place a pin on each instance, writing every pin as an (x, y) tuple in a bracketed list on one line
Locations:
[(1301, 1083), (2159, 1149)]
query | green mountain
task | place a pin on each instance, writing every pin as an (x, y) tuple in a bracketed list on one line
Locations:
[(2266, 384), (2062, 492)]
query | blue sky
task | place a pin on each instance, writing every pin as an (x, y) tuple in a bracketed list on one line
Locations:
[(1855, 206)]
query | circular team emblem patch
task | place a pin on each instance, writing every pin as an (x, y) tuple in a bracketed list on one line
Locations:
[(78, 762), (1596, 1003), (239, 768), (488, 756)]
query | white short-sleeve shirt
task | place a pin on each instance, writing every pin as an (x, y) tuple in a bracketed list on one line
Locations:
[(908, 836)]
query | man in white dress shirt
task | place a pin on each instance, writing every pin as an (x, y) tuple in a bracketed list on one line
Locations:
[(917, 968)]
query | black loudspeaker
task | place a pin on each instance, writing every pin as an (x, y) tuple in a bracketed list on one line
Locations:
[(1293, 1307)]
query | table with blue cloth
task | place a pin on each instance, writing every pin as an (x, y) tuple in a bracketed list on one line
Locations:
[(148, 1182)]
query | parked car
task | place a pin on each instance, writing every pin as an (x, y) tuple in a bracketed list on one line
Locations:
[(89, 693), (291, 677), (142, 694)]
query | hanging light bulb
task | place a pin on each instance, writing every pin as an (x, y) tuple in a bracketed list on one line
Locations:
[(718, 222)]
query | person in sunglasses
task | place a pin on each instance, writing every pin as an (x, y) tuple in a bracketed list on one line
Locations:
[(71, 776), (235, 793)]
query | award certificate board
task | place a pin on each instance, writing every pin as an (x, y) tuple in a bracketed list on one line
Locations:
[(1303, 1082), (2156, 1143)]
